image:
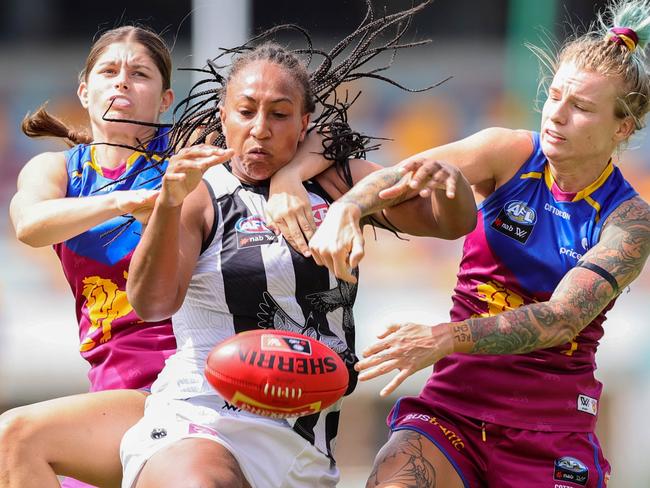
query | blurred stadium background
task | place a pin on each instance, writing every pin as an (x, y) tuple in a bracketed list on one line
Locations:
[(43, 45)]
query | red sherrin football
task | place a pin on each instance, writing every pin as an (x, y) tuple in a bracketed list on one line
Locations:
[(276, 374)]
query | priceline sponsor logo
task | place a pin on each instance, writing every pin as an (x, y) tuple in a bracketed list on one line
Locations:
[(570, 252), (556, 211)]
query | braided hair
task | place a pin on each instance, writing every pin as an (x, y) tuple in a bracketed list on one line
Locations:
[(197, 116)]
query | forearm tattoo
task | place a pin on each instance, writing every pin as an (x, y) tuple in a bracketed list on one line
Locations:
[(579, 297), (404, 465), (365, 194)]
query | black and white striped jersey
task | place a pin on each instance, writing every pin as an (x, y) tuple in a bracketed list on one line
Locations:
[(248, 278)]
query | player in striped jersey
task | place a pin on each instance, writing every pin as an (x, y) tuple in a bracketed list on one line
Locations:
[(513, 400), (208, 258)]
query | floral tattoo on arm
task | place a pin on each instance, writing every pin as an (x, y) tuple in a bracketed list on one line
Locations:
[(579, 297), (365, 194)]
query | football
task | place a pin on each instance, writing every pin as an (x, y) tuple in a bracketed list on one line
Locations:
[(277, 374)]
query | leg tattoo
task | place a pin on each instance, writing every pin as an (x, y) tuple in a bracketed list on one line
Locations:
[(403, 464)]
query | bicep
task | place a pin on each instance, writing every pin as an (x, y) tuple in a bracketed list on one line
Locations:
[(43, 178), (624, 245), (487, 157), (618, 257)]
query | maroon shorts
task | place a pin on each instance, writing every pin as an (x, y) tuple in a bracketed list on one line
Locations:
[(490, 455)]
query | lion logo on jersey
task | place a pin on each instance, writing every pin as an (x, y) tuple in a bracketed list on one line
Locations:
[(498, 297), (105, 303)]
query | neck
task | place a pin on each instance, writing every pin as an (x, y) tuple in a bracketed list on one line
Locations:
[(571, 177), (113, 156)]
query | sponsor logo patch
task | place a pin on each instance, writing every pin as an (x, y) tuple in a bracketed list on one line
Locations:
[(572, 253), (272, 342), (516, 220), (451, 436), (230, 406), (201, 429), (252, 231), (570, 469), (319, 212), (587, 404), (557, 212)]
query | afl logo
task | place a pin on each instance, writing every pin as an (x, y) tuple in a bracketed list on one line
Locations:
[(251, 225), (521, 213)]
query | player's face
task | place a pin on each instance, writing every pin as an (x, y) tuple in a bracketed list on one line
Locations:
[(263, 120), (578, 120), (127, 80)]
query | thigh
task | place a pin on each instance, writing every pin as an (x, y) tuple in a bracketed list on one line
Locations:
[(268, 452), (79, 436), (192, 462), (541, 459), (411, 459)]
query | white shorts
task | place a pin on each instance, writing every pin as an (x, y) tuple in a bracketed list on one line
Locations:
[(269, 452)]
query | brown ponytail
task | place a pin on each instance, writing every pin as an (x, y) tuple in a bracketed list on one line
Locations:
[(42, 124)]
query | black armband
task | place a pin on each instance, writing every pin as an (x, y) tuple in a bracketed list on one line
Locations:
[(603, 273)]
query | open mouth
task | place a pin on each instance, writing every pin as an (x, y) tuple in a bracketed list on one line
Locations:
[(555, 136), (119, 102)]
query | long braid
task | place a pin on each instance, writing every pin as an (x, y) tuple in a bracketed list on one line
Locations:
[(363, 45), (196, 117)]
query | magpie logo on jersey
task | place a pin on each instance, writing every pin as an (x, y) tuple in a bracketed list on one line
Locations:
[(571, 469), (158, 433), (516, 220), (252, 231)]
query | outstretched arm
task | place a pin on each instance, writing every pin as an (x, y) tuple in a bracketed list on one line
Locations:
[(163, 262), (338, 243), (42, 215), (581, 295)]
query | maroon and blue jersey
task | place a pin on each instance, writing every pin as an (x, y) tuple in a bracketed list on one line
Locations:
[(529, 235), (123, 351)]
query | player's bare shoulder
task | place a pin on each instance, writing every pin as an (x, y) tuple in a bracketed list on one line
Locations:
[(45, 162)]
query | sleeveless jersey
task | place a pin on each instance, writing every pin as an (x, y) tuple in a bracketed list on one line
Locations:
[(529, 235), (248, 278), (123, 351)]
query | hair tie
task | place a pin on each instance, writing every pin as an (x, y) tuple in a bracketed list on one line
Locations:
[(623, 36)]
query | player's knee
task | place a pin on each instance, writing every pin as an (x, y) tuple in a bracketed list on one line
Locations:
[(210, 478), (16, 435), (222, 478)]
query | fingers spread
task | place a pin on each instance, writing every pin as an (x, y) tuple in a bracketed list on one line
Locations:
[(395, 382), (382, 368)]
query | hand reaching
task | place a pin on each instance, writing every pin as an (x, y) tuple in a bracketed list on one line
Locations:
[(338, 243), (138, 203), (186, 169), (406, 347), (288, 211), (426, 175)]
